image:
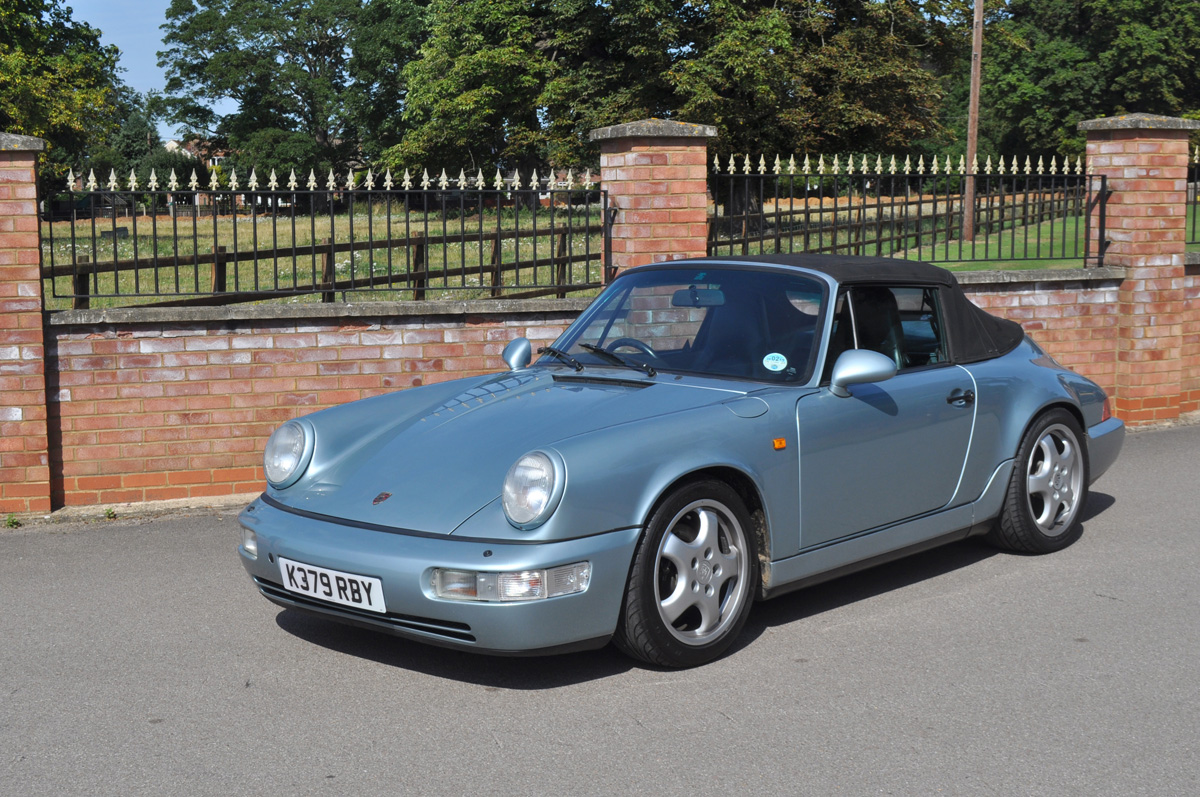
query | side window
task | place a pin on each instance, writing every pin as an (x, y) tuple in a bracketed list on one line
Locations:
[(903, 324)]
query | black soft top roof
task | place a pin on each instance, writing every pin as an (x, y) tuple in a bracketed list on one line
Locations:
[(973, 334)]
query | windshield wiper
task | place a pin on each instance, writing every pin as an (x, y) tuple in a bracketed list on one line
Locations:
[(562, 355), (612, 356)]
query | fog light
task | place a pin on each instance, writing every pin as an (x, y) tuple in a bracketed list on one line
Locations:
[(249, 542), (522, 585)]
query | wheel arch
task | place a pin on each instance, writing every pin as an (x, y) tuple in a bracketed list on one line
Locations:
[(747, 489)]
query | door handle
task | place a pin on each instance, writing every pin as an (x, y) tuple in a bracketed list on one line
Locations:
[(961, 397)]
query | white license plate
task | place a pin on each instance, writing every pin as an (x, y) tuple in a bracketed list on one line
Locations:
[(361, 592)]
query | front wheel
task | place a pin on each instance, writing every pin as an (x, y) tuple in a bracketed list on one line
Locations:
[(692, 580), (1048, 487)]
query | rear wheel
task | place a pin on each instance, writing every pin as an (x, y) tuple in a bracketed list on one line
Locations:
[(692, 580), (1048, 487)]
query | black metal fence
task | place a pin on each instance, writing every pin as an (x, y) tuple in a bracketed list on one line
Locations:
[(195, 247), (1017, 217)]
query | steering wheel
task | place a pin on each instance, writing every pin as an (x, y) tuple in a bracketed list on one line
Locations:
[(634, 343)]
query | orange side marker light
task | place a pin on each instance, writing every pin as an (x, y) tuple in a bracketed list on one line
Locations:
[(780, 443)]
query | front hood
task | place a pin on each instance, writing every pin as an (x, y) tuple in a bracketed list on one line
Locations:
[(444, 461)]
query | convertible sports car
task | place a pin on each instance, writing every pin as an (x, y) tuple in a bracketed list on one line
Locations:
[(707, 433)]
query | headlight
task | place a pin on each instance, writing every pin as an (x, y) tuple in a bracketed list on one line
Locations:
[(287, 454), (532, 488)]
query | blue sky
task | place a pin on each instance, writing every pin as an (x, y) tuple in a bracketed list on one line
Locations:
[(133, 26)]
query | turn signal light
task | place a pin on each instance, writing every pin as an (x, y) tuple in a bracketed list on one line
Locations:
[(522, 585)]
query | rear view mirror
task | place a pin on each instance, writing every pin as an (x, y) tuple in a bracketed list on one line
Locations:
[(698, 297), (517, 354), (858, 366)]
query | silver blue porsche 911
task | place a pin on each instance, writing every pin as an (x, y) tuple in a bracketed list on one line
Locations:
[(708, 433)]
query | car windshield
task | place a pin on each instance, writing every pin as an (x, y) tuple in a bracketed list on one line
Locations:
[(743, 324)]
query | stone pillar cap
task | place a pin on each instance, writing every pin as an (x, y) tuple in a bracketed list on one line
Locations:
[(653, 128), (11, 142), (1140, 121)]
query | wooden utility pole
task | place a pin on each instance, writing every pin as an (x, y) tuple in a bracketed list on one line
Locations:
[(973, 123)]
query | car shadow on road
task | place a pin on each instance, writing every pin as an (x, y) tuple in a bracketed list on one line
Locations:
[(881, 579), (500, 672), (552, 672)]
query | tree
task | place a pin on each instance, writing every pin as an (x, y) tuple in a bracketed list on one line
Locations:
[(290, 65), (1058, 62), (807, 75), (56, 81)]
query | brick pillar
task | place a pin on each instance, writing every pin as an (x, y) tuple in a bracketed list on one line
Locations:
[(656, 177), (1145, 160), (24, 455)]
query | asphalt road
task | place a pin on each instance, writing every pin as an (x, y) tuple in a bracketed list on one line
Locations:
[(135, 658)]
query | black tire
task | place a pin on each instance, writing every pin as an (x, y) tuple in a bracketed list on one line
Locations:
[(1048, 488), (693, 578)]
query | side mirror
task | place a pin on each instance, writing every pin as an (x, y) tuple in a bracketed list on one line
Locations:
[(857, 366), (518, 354)]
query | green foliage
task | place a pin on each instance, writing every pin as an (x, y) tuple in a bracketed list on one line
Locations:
[(11, 522), (319, 68), (110, 513), (57, 81), (1050, 64)]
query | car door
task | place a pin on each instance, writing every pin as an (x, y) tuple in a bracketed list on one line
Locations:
[(894, 449)]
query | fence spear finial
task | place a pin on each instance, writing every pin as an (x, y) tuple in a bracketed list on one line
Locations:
[(113, 185), (778, 169), (233, 181), (920, 164), (369, 180), (587, 179), (570, 179), (133, 183), (1040, 168), (1028, 165), (908, 164), (387, 179), (806, 167), (443, 181), (849, 165), (273, 181), (533, 180), (716, 163), (516, 180), (153, 184), (479, 180), (820, 164), (498, 180), (1078, 165), (462, 179), (962, 164), (762, 163), (1054, 164), (975, 164), (892, 164), (987, 167), (934, 168), (746, 163), (407, 183), (70, 179), (215, 182), (425, 181), (172, 182), (312, 180), (331, 181), (292, 183), (91, 181), (837, 169), (864, 168), (791, 164), (194, 183), (879, 164)]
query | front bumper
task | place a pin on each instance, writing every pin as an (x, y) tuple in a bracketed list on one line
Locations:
[(403, 563), (1104, 444)]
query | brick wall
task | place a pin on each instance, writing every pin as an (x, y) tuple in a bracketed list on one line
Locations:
[(24, 472), (1073, 315), (656, 176), (157, 404), (1190, 347)]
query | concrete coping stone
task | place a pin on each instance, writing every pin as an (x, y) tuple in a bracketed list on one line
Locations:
[(1140, 121), (653, 128), (311, 310), (1103, 274), (12, 142), (479, 307)]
